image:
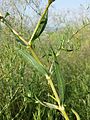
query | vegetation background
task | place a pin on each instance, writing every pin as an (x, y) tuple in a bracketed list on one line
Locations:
[(20, 84)]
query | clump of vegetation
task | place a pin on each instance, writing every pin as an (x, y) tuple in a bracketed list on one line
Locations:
[(62, 83)]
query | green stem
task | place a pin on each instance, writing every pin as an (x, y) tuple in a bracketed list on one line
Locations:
[(53, 89), (64, 114), (34, 55), (60, 108)]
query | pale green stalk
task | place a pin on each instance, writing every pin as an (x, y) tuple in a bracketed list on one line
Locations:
[(60, 108)]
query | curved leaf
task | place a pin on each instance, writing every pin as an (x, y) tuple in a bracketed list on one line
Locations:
[(33, 62)]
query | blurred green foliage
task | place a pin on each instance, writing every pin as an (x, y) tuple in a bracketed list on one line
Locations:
[(20, 84)]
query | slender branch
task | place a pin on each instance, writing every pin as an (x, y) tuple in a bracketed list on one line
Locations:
[(79, 30), (53, 89)]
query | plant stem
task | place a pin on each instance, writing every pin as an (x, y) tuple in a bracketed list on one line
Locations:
[(53, 89), (60, 108), (34, 55), (64, 114)]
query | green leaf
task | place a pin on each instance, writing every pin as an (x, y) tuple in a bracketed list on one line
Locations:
[(33, 62), (76, 114), (60, 81), (40, 27)]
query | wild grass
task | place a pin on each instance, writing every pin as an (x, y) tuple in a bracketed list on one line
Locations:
[(17, 81), (23, 88)]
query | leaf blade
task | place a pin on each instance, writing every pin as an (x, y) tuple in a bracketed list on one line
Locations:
[(60, 81), (40, 26), (33, 62)]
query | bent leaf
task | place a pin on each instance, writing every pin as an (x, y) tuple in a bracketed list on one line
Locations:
[(33, 62)]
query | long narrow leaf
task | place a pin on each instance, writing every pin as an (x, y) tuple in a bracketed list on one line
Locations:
[(20, 38), (40, 26), (33, 62), (60, 81)]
